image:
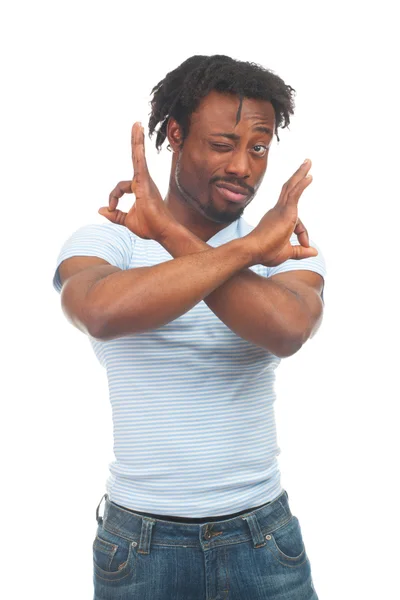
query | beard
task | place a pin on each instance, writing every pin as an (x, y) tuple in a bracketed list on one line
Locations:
[(208, 210)]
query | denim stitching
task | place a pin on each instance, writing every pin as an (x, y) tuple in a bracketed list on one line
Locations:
[(99, 570), (284, 564)]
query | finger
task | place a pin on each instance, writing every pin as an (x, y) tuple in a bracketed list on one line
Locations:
[(293, 196), (123, 187), (298, 252), (133, 144), (138, 155), (135, 131), (116, 216), (299, 175), (302, 234)]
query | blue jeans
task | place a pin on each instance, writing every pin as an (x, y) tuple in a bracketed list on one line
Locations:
[(258, 555)]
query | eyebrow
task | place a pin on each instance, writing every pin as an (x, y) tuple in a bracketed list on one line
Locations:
[(235, 137), (263, 129)]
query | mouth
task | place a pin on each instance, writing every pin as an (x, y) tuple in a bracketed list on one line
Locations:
[(232, 192)]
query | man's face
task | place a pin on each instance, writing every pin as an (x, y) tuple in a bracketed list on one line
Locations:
[(218, 153)]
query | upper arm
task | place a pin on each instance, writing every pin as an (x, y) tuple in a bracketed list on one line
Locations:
[(72, 266), (90, 253), (107, 241), (307, 287)]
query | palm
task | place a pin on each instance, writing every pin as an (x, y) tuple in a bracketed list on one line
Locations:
[(279, 233), (271, 237), (281, 257), (136, 222), (149, 216)]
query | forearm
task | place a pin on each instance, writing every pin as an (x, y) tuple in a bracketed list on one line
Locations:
[(255, 308), (146, 298)]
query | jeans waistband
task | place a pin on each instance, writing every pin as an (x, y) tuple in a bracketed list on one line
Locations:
[(254, 525), (199, 520)]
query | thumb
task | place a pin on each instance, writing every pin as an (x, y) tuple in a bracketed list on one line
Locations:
[(299, 252), (115, 216)]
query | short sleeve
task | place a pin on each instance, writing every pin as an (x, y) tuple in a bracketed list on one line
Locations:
[(108, 241), (316, 263)]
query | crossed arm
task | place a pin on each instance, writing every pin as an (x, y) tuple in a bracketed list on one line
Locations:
[(278, 313)]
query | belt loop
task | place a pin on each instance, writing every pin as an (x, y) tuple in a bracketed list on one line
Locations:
[(255, 530), (100, 519), (145, 535)]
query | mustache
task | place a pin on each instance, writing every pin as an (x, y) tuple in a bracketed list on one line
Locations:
[(236, 182)]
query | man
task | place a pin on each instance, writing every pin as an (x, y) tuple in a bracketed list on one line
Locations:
[(190, 310)]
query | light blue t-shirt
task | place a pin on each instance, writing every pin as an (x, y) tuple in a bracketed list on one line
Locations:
[(192, 402)]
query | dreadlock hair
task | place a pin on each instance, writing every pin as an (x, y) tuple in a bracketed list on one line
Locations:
[(179, 93)]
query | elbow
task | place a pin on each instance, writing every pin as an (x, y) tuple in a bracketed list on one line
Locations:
[(289, 347), (291, 342), (84, 312), (94, 323), (100, 327), (95, 330)]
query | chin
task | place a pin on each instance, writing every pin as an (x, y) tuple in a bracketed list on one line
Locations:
[(222, 217)]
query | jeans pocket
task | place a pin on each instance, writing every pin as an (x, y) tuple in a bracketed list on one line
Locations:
[(286, 543), (112, 555)]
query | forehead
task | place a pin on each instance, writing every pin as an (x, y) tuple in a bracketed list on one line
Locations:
[(220, 110)]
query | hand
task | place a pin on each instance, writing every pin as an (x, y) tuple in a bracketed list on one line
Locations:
[(271, 237), (149, 217)]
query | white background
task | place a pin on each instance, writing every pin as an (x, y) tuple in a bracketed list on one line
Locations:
[(76, 75)]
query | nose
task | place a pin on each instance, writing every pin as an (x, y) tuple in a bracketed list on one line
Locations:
[(239, 164)]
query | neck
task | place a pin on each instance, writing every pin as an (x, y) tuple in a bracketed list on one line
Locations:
[(188, 217)]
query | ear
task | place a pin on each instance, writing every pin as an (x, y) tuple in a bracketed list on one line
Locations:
[(174, 135)]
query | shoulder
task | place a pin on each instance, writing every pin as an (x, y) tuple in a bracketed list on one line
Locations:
[(108, 241)]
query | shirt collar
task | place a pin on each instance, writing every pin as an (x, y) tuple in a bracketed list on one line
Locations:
[(230, 232)]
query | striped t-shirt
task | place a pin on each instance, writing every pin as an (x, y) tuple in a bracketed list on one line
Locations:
[(192, 402)]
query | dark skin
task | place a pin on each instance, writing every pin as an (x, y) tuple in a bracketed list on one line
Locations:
[(200, 164), (206, 156), (278, 313)]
